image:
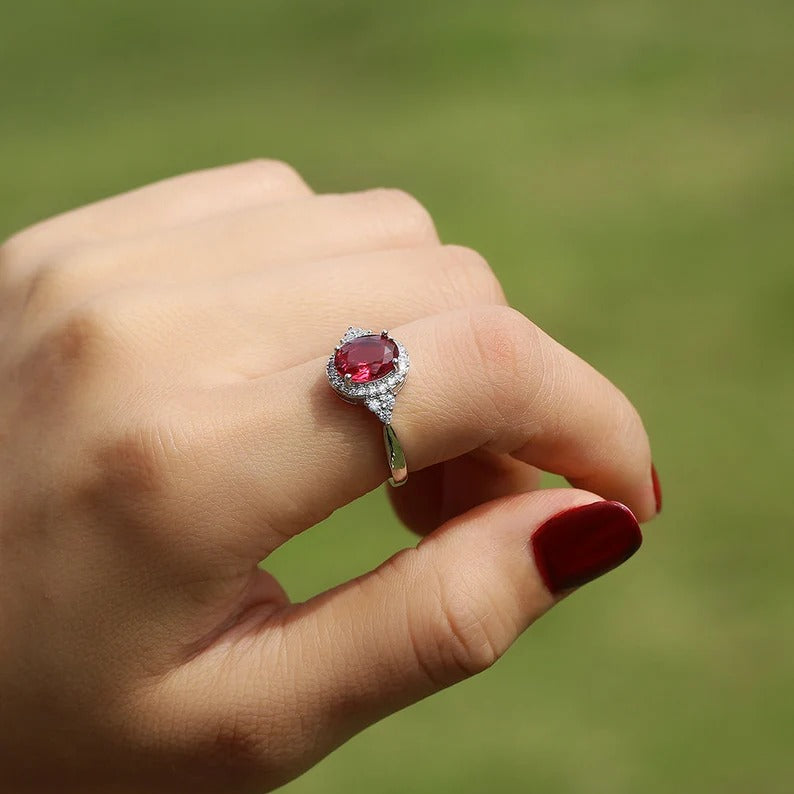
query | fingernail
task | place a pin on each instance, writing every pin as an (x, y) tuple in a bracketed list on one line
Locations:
[(657, 488), (581, 544)]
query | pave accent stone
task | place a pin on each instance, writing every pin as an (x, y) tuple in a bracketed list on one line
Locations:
[(382, 406)]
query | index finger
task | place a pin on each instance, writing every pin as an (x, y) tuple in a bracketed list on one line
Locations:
[(482, 377)]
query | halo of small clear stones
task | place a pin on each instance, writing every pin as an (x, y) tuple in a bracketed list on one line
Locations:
[(377, 395)]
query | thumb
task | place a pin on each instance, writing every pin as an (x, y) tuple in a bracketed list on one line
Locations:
[(289, 692), (447, 609)]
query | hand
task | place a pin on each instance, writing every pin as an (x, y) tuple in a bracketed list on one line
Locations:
[(165, 424)]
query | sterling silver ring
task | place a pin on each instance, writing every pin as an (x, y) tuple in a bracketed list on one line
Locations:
[(369, 369)]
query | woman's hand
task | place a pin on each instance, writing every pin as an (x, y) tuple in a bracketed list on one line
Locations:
[(165, 423)]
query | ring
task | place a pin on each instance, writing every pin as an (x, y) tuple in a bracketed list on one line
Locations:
[(369, 369)]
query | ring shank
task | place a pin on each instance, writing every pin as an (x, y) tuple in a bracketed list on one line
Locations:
[(395, 457)]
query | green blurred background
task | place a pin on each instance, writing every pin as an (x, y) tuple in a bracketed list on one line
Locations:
[(628, 169)]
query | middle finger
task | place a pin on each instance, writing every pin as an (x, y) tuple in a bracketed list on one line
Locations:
[(236, 329)]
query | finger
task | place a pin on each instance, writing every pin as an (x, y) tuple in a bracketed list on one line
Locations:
[(281, 234), (432, 280), (222, 322), (484, 377), (424, 620), (180, 200), (438, 493)]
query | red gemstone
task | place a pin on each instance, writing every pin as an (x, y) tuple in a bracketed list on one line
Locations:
[(366, 358)]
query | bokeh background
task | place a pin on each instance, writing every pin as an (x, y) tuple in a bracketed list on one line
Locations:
[(627, 166)]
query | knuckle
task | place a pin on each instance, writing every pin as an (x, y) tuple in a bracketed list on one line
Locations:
[(83, 335), (58, 282), (472, 276), (48, 288), (464, 636), (274, 172), (76, 355), (131, 472), (230, 739), (239, 745), (454, 631), (507, 346), (401, 217)]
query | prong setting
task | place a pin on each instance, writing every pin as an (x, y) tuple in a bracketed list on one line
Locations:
[(377, 395)]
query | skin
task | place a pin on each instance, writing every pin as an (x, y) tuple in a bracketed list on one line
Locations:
[(165, 424)]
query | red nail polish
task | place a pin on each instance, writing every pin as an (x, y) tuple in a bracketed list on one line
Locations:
[(580, 544), (657, 489)]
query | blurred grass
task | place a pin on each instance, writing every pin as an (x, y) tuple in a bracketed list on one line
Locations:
[(628, 169)]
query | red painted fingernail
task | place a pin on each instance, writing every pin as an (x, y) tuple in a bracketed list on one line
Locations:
[(580, 544), (657, 488)]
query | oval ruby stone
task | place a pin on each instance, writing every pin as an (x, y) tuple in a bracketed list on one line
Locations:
[(366, 358)]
